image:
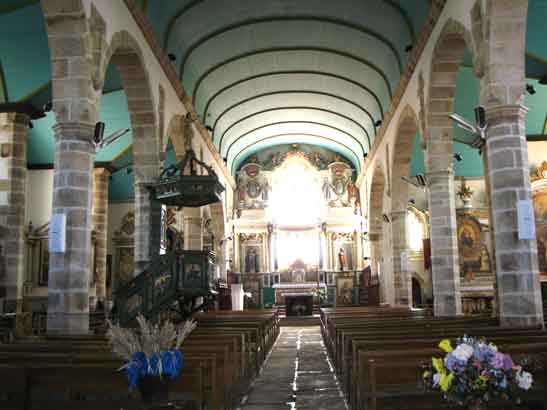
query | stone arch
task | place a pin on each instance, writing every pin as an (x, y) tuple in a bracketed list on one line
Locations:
[(449, 51), (125, 53), (406, 132), (175, 133), (404, 140), (376, 222)]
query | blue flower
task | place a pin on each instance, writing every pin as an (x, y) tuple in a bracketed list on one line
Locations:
[(452, 363), (136, 368), (168, 363), (154, 368)]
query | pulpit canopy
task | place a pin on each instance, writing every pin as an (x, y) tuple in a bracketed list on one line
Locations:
[(182, 186)]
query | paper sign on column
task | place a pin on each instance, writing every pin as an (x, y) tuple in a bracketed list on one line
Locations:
[(57, 233), (526, 219)]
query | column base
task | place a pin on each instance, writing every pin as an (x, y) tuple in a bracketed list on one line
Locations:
[(61, 323)]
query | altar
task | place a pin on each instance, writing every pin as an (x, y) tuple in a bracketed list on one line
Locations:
[(283, 290), (299, 304)]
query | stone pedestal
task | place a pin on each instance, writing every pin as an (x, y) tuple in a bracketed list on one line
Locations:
[(444, 243), (69, 271), (100, 226), (13, 179), (516, 261)]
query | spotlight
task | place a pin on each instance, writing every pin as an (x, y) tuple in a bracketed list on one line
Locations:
[(172, 57), (458, 157), (128, 170), (530, 89), (99, 132), (421, 179), (543, 80), (30, 124), (225, 159), (386, 218), (366, 258), (409, 48), (48, 106), (365, 155), (378, 123), (209, 128), (412, 201)]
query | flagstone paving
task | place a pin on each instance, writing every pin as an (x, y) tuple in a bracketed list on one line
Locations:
[(297, 375)]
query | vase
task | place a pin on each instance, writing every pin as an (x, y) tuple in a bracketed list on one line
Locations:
[(155, 392)]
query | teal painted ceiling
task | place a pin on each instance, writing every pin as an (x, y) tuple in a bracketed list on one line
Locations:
[(264, 73)]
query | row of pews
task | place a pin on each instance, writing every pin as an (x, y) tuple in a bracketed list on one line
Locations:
[(221, 357), (378, 354)]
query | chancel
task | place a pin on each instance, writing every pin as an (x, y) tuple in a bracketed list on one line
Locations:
[(256, 204)]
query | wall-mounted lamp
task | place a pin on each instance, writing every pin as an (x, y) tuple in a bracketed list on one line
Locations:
[(530, 89), (386, 218), (458, 157)]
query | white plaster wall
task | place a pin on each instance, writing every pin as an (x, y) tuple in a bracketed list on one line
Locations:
[(116, 212), (39, 197)]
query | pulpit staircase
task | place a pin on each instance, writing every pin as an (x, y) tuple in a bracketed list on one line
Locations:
[(174, 281), (169, 286)]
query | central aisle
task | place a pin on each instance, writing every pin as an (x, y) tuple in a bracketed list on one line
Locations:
[(297, 375)]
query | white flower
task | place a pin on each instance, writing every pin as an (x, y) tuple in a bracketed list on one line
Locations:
[(524, 380), (463, 352), (436, 379)]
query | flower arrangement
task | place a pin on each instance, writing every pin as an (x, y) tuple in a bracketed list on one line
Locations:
[(475, 372), (150, 350)]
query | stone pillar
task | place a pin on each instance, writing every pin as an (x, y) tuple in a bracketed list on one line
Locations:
[(69, 272), (13, 180), (401, 279), (147, 227), (193, 237), (100, 226), (518, 285), (444, 244)]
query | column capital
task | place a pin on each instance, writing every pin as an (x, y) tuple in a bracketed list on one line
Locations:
[(446, 172), (74, 130), (9, 118), (504, 112), (101, 172)]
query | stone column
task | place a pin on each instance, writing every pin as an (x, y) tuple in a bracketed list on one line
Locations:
[(444, 244), (100, 226), (69, 272), (13, 180), (193, 237), (401, 279), (147, 227), (518, 285)]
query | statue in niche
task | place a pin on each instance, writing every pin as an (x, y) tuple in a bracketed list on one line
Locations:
[(342, 261), (327, 189), (485, 260), (251, 260), (340, 186), (253, 189), (265, 190)]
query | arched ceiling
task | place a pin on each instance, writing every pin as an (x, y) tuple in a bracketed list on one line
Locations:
[(264, 73)]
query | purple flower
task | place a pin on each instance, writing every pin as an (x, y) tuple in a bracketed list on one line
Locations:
[(497, 361), (483, 352), (453, 364), (507, 362)]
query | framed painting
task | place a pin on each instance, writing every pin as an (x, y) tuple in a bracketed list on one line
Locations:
[(344, 290)]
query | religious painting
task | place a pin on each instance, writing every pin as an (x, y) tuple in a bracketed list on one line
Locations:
[(539, 198), (252, 285), (125, 268), (470, 246), (344, 290)]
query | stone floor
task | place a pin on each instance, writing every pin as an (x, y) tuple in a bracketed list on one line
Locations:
[(297, 375)]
